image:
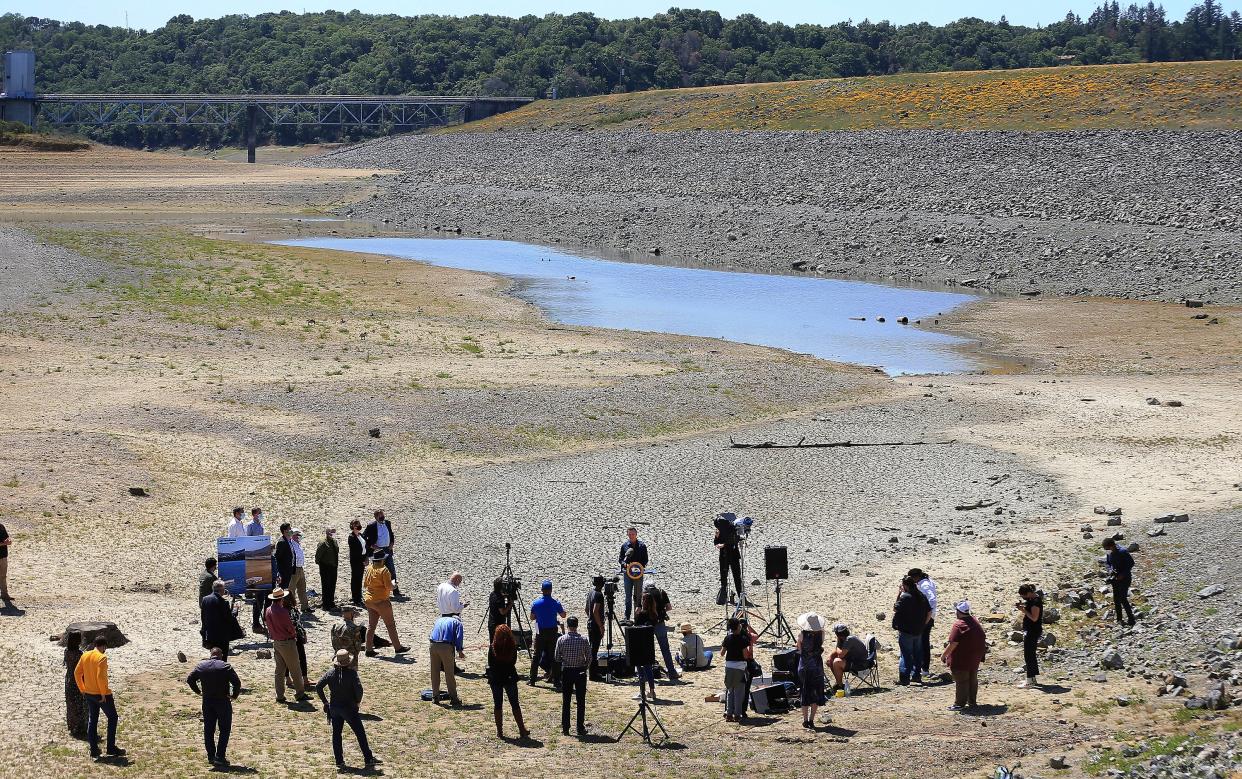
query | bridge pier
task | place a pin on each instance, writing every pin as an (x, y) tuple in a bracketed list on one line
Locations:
[(18, 110), (252, 119)]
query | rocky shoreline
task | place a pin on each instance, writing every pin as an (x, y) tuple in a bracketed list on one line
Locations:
[(1145, 215)]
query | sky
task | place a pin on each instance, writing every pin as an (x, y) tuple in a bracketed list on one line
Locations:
[(150, 15)]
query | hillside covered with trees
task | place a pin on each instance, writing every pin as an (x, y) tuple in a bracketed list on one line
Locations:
[(579, 54)]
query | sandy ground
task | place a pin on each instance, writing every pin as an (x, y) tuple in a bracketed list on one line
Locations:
[(221, 372)]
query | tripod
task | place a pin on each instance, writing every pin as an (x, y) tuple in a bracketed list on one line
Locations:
[(644, 708), (610, 619), (741, 603), (778, 626), (514, 598)]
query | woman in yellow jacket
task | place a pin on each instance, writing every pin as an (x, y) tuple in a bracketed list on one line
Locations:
[(377, 597), (91, 675)]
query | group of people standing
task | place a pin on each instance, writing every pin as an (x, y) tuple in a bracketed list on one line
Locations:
[(568, 656)]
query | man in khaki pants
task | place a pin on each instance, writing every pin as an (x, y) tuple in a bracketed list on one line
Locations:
[(284, 646), (297, 584), (447, 636)]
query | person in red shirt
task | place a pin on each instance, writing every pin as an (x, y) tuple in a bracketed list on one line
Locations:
[(965, 652)]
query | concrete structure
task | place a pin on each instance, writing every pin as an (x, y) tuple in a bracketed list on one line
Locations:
[(17, 102)]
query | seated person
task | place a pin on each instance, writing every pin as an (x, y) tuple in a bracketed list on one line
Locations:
[(691, 655), (850, 656)]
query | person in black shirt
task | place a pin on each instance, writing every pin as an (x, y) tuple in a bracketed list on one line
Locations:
[(502, 677), (1121, 566), (220, 687), (909, 618), (5, 543), (632, 551), (595, 617), (734, 646), (219, 623), (346, 694), (1032, 608), (284, 557), (498, 607), (726, 541), (357, 561)]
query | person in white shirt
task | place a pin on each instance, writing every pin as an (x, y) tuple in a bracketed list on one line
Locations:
[(928, 588), (236, 527), (448, 595), (297, 584)]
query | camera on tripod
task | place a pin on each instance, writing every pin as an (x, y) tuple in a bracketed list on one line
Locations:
[(610, 586), (509, 586)]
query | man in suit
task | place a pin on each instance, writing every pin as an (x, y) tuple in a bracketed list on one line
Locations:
[(357, 561), (379, 537), (207, 578), (284, 557), (219, 623)]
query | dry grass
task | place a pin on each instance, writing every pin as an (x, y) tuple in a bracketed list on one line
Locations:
[(1200, 95)]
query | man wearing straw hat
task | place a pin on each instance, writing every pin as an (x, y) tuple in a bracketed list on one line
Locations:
[(810, 646), (692, 655), (284, 646), (345, 687)]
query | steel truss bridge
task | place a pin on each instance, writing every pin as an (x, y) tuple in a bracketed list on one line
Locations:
[(396, 111)]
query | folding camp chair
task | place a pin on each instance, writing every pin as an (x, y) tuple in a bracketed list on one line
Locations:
[(869, 675)]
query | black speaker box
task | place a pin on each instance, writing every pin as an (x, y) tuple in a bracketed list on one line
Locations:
[(785, 660), (775, 562), (785, 676), (524, 639), (640, 645)]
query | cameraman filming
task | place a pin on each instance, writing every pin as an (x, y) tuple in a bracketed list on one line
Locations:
[(595, 623), (727, 541), (499, 604)]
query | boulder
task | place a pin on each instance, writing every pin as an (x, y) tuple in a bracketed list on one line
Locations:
[(1111, 660), (1210, 591), (1114, 521), (1047, 640), (1111, 511), (1155, 531), (1059, 762)]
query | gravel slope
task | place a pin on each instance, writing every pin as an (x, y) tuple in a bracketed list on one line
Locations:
[(1129, 214)]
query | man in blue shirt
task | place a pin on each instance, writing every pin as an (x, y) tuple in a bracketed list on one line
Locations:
[(446, 636), (544, 612)]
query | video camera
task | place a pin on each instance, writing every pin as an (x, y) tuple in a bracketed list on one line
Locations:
[(509, 587), (742, 526), (610, 586)]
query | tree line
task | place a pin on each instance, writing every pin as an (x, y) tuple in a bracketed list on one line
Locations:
[(576, 54)]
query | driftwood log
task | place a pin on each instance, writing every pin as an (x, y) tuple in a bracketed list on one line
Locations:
[(802, 444), (78, 637)]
